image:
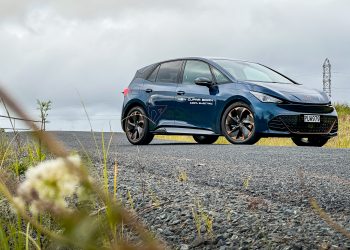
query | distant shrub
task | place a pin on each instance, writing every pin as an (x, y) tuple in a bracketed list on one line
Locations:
[(342, 109)]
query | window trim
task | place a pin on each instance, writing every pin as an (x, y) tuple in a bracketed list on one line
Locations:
[(184, 66), (211, 71), (157, 67), (179, 72), (228, 79)]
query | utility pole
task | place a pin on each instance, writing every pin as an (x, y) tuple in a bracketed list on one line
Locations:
[(327, 77)]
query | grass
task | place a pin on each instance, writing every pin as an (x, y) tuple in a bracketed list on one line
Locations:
[(340, 141), (202, 218), (182, 176)]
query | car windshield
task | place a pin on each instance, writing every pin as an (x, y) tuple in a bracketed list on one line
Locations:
[(246, 71)]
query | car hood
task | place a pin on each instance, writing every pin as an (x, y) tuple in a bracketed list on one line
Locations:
[(291, 92)]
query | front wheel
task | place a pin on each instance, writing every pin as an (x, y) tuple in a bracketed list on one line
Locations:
[(205, 139), (136, 127), (310, 141), (238, 124)]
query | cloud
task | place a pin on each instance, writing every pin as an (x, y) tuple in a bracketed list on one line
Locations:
[(55, 49)]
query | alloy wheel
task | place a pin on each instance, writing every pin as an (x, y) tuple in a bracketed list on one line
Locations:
[(135, 125), (239, 124)]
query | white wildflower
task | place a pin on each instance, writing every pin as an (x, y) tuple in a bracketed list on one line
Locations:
[(48, 184)]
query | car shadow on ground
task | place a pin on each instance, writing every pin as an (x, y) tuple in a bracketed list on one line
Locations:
[(158, 143)]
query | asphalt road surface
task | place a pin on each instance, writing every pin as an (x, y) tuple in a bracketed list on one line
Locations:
[(256, 195)]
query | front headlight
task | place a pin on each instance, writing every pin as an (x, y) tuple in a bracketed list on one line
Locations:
[(265, 98)]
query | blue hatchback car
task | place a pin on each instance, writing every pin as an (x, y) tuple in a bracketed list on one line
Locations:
[(209, 97)]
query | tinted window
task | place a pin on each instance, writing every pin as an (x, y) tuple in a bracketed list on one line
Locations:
[(195, 69), (144, 72), (169, 71), (220, 78), (152, 77)]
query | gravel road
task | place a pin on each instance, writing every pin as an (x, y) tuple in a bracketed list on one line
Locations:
[(229, 196)]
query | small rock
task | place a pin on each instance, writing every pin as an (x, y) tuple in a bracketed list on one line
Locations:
[(184, 247), (219, 238), (234, 237), (175, 222), (167, 232), (198, 241), (221, 242)]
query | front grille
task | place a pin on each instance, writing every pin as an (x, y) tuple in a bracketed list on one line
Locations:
[(296, 124), (308, 108), (277, 124)]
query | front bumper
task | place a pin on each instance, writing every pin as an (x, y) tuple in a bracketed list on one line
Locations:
[(288, 120), (295, 124)]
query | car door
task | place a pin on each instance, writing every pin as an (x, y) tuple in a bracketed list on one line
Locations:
[(160, 90), (196, 105)]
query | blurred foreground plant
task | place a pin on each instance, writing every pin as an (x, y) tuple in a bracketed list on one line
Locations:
[(47, 185), (62, 192)]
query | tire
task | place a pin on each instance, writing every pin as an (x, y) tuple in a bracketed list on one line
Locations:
[(137, 127), (238, 124), (205, 139), (310, 141)]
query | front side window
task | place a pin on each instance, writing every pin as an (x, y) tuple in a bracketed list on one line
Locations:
[(220, 78), (169, 72), (195, 69)]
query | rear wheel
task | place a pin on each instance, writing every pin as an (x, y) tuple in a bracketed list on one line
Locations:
[(238, 124), (310, 141), (205, 139), (136, 127)]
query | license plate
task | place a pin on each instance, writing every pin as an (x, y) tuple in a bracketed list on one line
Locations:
[(312, 118)]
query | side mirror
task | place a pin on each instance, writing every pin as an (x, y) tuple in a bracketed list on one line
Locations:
[(203, 81)]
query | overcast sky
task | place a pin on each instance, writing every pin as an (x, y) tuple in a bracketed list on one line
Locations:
[(58, 50)]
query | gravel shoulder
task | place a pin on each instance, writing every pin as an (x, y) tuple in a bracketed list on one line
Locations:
[(234, 196)]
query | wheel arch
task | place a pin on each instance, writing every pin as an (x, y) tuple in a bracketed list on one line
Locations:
[(229, 102), (129, 106)]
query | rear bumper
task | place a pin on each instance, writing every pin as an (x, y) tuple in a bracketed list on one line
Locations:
[(288, 120)]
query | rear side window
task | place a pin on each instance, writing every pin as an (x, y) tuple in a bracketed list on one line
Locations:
[(153, 75), (195, 69), (169, 72)]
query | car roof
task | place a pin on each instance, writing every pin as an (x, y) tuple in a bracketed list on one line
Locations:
[(205, 58), (146, 69)]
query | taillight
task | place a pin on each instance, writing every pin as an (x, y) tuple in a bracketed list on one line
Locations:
[(126, 91)]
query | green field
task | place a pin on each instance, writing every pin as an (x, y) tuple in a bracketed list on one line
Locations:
[(341, 141)]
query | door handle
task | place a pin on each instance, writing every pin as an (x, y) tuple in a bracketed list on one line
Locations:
[(180, 92), (148, 90)]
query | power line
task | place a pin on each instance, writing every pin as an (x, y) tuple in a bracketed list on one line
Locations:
[(22, 129), (16, 118)]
